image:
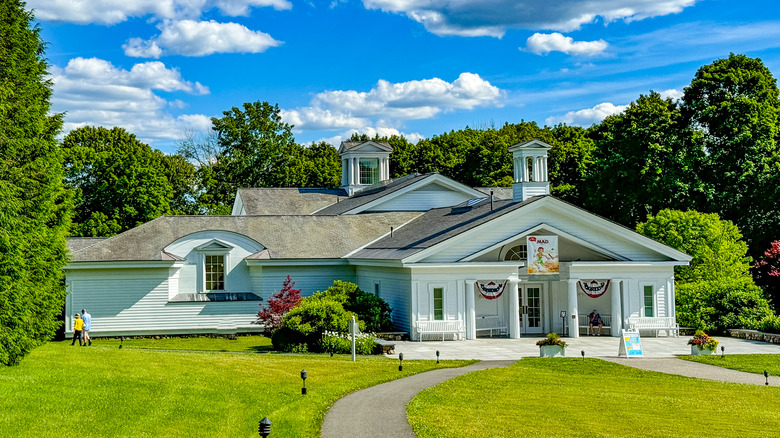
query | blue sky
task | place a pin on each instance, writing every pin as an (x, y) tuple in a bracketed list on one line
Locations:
[(162, 68)]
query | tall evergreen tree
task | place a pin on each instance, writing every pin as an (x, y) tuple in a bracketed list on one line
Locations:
[(34, 206)]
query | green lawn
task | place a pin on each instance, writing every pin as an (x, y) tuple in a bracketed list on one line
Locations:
[(248, 344), (591, 398), (751, 363), (102, 390)]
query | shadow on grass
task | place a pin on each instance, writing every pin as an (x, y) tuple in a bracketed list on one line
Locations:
[(261, 349)]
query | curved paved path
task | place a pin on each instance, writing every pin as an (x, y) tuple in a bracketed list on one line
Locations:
[(695, 369), (380, 411)]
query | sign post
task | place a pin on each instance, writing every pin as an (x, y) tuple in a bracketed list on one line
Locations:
[(630, 344), (353, 328)]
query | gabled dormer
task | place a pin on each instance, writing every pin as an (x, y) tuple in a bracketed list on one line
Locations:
[(363, 164)]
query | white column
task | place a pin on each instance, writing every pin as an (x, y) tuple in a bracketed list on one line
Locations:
[(574, 325), (344, 172), (355, 171), (384, 173), (514, 310), (545, 176), (471, 312), (415, 312), (617, 314), (672, 299)]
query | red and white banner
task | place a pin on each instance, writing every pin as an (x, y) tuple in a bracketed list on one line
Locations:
[(491, 289), (593, 288)]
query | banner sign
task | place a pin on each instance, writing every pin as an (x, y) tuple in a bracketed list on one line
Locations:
[(491, 290), (630, 344), (593, 288), (542, 255)]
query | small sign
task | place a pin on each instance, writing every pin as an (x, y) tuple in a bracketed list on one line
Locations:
[(630, 344)]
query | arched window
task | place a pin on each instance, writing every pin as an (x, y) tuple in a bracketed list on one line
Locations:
[(517, 252)]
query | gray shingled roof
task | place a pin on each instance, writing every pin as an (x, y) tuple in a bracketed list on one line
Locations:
[(436, 226), (280, 201), (284, 237), (498, 192), (77, 243), (372, 193)]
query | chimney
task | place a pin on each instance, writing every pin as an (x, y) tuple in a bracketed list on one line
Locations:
[(530, 170)]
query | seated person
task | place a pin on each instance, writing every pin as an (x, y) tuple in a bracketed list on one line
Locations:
[(595, 319)]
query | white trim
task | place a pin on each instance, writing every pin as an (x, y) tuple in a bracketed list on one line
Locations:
[(654, 288), (73, 266), (295, 262), (434, 178), (432, 301), (554, 230)]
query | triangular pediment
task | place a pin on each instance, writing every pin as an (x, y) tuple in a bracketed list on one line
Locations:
[(364, 147), (214, 245), (534, 144)]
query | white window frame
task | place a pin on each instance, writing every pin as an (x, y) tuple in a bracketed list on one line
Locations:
[(208, 249), (431, 288), (372, 174), (654, 306), (505, 251)]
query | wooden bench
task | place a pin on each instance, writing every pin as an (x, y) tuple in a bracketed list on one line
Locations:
[(656, 323), (491, 324), (442, 328), (585, 324)]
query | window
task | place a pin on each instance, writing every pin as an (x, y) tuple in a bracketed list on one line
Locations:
[(519, 252), (376, 288), (438, 303), (649, 301), (369, 170), (215, 272)]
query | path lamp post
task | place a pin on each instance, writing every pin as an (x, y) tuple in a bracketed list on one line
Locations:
[(121, 339), (400, 361), (264, 428), (766, 375), (303, 376), (583, 354), (437, 356), (722, 351)]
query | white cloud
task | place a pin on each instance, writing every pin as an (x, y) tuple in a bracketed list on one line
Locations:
[(117, 11), (95, 92), (336, 140), (587, 116), (494, 17), (541, 44), (199, 38), (674, 94), (388, 105)]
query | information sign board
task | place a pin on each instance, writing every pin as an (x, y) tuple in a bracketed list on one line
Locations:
[(630, 344)]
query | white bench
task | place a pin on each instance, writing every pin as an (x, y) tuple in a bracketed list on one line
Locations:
[(656, 323), (584, 323), (491, 324), (439, 328)]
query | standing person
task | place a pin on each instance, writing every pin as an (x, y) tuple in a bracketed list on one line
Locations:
[(78, 326), (87, 318)]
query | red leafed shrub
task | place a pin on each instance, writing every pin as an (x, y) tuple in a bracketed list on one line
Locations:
[(280, 303), (766, 272)]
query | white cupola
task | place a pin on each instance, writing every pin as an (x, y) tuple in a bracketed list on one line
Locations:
[(530, 170), (363, 164)]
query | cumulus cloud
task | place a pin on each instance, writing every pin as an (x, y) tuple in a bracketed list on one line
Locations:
[(388, 105), (587, 116), (542, 44), (199, 38), (493, 18), (95, 92), (370, 131), (674, 94), (117, 11)]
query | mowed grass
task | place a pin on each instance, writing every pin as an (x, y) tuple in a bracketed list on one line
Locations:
[(569, 397), (99, 391), (749, 363), (248, 344)]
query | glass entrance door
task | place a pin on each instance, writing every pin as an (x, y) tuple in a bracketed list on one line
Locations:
[(531, 309)]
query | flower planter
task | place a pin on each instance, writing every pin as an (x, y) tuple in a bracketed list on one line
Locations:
[(551, 351), (695, 351)]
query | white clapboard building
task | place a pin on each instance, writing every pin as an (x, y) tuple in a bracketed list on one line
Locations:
[(452, 261)]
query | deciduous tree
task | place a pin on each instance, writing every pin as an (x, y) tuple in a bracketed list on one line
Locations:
[(280, 303)]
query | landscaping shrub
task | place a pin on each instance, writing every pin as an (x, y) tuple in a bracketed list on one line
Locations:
[(312, 317), (280, 303), (285, 339), (771, 324), (341, 343), (716, 306), (372, 310)]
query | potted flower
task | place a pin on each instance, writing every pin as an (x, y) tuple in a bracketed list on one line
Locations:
[(702, 344), (552, 346)]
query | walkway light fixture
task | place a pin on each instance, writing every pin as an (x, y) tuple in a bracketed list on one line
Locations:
[(400, 361), (437, 356), (303, 376), (722, 351), (121, 339), (766, 375), (583, 354), (264, 428)]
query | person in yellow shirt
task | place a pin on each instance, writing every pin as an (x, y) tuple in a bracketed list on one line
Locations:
[(78, 326)]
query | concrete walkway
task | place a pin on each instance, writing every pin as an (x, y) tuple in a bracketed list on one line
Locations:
[(380, 411), (696, 369)]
